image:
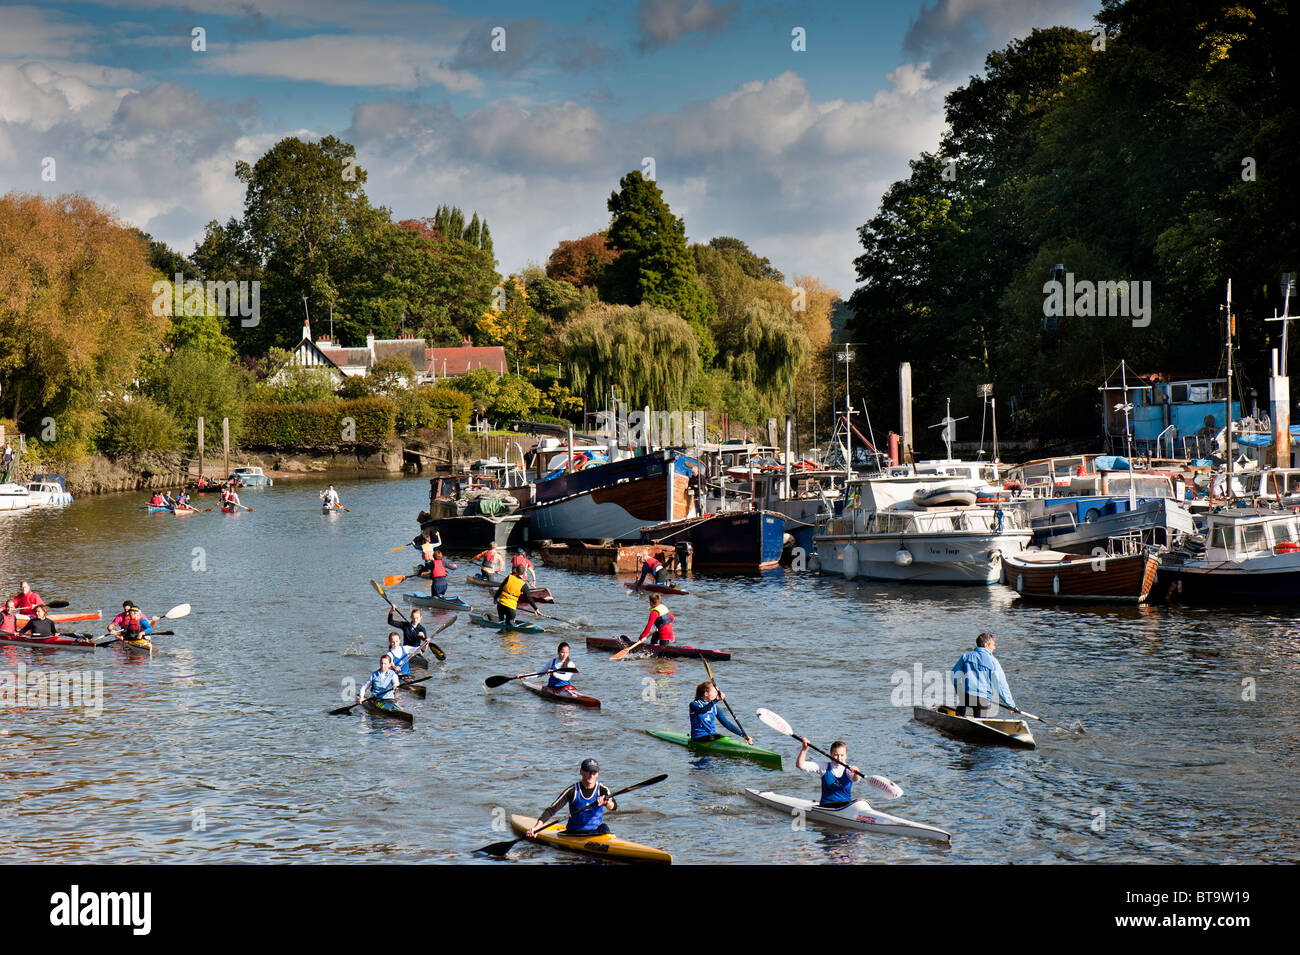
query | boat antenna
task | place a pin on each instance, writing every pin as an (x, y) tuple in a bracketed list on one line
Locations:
[(1227, 426), (949, 425), (1128, 445)]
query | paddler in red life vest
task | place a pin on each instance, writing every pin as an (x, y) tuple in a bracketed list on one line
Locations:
[(134, 624), (661, 622), (9, 618), (704, 710), (382, 684), (228, 496), (521, 560), (837, 777), (508, 595), (157, 500), (28, 599), (652, 566), (490, 561), (587, 800), (438, 567)]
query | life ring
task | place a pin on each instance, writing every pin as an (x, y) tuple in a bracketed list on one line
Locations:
[(1286, 547)]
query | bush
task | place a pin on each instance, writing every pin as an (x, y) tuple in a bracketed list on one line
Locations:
[(192, 383), (449, 403), (320, 424), (139, 426), (414, 412)]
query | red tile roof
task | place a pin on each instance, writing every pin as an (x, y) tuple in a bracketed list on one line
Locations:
[(456, 361)]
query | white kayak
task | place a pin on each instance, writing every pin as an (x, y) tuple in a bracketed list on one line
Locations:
[(857, 815)]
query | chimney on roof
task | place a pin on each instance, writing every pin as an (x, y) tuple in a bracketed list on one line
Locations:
[(465, 342)]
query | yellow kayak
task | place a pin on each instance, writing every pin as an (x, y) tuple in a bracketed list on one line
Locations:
[(603, 847)]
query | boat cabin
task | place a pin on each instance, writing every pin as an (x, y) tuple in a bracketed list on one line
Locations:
[(250, 476), (1232, 537), (1271, 483)]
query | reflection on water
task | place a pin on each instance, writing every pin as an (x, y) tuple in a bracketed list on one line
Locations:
[(218, 747)]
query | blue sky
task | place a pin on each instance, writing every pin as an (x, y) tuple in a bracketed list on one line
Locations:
[(787, 150)]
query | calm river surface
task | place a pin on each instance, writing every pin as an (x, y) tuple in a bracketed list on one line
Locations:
[(219, 749)]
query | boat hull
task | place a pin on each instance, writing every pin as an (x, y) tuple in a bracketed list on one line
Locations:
[(388, 711), (608, 846), (58, 641), (1048, 575), (741, 541), (725, 746), (426, 601), (477, 532), (1000, 732), (517, 627), (859, 815), (662, 650), (955, 558), (575, 698)]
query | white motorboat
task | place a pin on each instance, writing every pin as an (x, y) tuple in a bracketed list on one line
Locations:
[(48, 490), (14, 497)]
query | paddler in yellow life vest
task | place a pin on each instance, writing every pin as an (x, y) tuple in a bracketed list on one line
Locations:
[(509, 593), (661, 622)]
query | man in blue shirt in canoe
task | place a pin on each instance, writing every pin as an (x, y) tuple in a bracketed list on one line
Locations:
[(981, 684)]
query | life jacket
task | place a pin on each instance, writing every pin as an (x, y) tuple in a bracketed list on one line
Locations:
[(663, 621), (584, 813), (519, 560), (383, 685), (837, 790), (653, 563), (510, 591), (702, 718), (401, 659), (438, 570)]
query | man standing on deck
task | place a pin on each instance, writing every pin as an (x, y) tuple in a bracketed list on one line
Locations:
[(413, 633), (981, 685)]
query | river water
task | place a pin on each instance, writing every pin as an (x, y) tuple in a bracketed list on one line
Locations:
[(218, 747)]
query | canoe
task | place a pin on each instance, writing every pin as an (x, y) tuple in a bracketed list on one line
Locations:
[(435, 603), (984, 730), (157, 510), (662, 650), (59, 640), (857, 815), (609, 846), (580, 699), (540, 594), (517, 627), (726, 746), (659, 589), (182, 511), (63, 617), (388, 710)]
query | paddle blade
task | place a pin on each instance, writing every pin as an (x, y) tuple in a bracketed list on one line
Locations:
[(394, 579), (56, 604), (180, 610), (775, 721), (396, 549), (886, 786), (444, 626), (492, 682), (437, 652), (499, 848), (378, 589), (342, 710)]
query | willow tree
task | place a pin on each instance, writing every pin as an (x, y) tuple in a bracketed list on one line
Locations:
[(649, 354), (770, 346)]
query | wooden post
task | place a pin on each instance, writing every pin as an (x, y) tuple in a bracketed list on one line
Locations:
[(225, 440), (200, 446), (451, 444)]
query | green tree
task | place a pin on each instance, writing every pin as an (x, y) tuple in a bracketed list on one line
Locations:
[(649, 354), (193, 382)]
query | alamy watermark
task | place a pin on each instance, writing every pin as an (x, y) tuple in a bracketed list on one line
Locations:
[(663, 429), (192, 297), (61, 688), (1087, 299)]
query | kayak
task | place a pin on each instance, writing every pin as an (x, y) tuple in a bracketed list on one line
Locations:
[(493, 581), (580, 699), (540, 594), (228, 509), (63, 617), (59, 640), (857, 815), (181, 511), (661, 650), (388, 710), (517, 627), (435, 603), (980, 730), (725, 746), (608, 846), (143, 644), (325, 509), (659, 589), (418, 690), (157, 510)]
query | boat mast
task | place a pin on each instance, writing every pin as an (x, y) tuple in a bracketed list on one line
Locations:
[(846, 356), (1227, 427), (1128, 445)]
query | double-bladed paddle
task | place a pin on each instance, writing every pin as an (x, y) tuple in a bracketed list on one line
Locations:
[(433, 647), (775, 721), (180, 610), (724, 699), (626, 650), (348, 709), (492, 682), (501, 848)]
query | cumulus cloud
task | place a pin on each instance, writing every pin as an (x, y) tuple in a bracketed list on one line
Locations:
[(666, 21), (956, 35)]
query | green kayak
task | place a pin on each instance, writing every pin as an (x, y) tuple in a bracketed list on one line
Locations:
[(518, 626), (724, 746)]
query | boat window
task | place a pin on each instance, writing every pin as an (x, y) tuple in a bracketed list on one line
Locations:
[(1254, 537), (1284, 531), (1221, 537)]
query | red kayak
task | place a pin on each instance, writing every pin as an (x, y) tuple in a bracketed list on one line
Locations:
[(569, 696), (661, 650), (63, 617), (659, 589), (60, 640)]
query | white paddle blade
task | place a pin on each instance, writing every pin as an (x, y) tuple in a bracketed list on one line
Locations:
[(887, 786), (774, 720), (183, 610)]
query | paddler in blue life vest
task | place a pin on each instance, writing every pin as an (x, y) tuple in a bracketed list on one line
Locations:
[(704, 710), (513, 589), (587, 800), (978, 678), (401, 654), (556, 681), (661, 622), (837, 775), (382, 684), (652, 566)]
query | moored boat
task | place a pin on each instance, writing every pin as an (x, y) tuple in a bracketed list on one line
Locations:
[(1004, 732), (571, 696), (1052, 575), (658, 650), (249, 477), (723, 746), (859, 815), (14, 497), (1247, 556), (48, 490), (608, 846), (388, 710)]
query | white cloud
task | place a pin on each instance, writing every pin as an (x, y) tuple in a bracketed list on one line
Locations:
[(956, 35), (666, 21)]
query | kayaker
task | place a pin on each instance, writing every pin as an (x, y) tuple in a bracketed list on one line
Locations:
[(182, 499), (560, 682), (413, 632), (652, 566), (508, 595), (490, 561), (157, 500), (39, 625), (27, 599), (837, 776), (120, 620), (330, 497), (661, 622), (134, 626), (587, 800), (9, 617), (229, 497), (704, 710), (383, 682), (521, 560), (425, 545), (978, 678), (401, 655), (438, 568)]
